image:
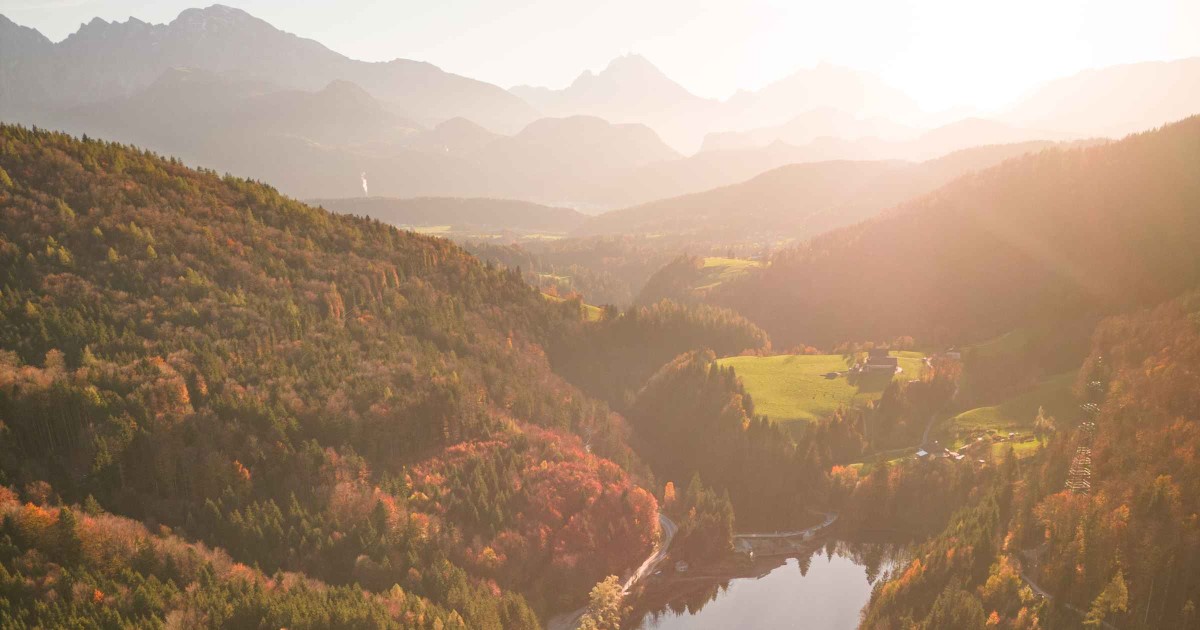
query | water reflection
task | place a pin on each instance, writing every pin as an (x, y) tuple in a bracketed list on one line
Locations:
[(822, 590)]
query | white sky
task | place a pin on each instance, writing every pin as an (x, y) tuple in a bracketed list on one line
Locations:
[(943, 52)]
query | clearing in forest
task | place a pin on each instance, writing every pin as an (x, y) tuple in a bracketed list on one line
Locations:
[(792, 388)]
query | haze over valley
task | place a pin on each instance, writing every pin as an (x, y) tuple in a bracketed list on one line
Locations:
[(874, 315)]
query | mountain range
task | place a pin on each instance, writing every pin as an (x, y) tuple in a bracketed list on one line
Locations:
[(225, 90), (320, 143), (103, 61), (631, 89)]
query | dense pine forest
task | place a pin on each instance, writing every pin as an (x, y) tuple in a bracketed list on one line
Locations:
[(613, 358), (61, 568), (312, 393)]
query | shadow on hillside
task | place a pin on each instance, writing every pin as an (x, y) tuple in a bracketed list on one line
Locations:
[(871, 382)]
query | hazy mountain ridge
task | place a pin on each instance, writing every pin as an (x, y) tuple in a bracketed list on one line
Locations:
[(1114, 100), (808, 126), (109, 60), (225, 90), (797, 201), (832, 134), (865, 117), (991, 251), (824, 86), (632, 89), (319, 143)]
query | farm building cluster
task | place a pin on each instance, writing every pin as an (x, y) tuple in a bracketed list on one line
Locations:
[(878, 361)]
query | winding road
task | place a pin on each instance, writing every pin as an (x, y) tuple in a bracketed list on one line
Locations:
[(668, 529), (570, 620)]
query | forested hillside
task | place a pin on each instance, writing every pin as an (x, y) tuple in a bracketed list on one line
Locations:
[(1055, 234), (695, 418), (613, 358), (311, 392), (566, 280), (1124, 551), (797, 201), (1141, 514), (61, 568)]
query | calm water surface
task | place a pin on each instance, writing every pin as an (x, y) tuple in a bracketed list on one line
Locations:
[(827, 595)]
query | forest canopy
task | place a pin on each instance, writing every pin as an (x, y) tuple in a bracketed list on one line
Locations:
[(291, 386)]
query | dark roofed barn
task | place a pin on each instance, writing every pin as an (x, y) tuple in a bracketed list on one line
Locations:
[(881, 362)]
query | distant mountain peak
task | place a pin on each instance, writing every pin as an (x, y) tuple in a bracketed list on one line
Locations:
[(631, 62), (628, 79), (217, 11), (13, 34), (216, 17), (104, 61), (635, 67)]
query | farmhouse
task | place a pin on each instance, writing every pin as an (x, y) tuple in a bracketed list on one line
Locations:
[(879, 361)]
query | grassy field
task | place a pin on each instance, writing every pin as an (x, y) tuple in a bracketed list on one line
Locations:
[(1015, 415), (1019, 411), (590, 313), (431, 230), (1020, 449), (718, 270), (460, 233), (793, 388), (1011, 342), (891, 457)]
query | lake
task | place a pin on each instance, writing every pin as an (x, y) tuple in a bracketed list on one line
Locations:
[(827, 594)]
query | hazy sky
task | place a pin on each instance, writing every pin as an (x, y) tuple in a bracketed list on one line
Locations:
[(943, 52)]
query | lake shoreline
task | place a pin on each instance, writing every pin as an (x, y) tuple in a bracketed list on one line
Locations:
[(683, 595)]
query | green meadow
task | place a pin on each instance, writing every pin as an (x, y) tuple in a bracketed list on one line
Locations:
[(591, 313), (793, 388), (717, 270), (1011, 342), (1015, 415), (1019, 412)]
